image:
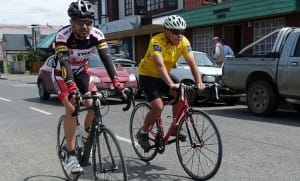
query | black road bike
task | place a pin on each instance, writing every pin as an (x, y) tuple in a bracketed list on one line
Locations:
[(101, 155)]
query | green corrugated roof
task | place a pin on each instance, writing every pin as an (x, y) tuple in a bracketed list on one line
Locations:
[(47, 41), (238, 10)]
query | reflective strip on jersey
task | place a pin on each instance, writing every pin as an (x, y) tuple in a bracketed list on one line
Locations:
[(61, 48), (102, 45), (63, 72)]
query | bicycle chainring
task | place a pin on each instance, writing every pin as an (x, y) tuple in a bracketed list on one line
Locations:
[(161, 145)]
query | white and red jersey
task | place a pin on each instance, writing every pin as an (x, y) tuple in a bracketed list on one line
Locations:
[(78, 50)]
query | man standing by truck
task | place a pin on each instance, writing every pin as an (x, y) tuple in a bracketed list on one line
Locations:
[(218, 52)]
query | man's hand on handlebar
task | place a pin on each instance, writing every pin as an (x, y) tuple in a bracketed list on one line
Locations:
[(200, 86), (72, 91)]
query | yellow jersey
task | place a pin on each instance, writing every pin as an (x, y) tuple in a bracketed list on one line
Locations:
[(160, 45)]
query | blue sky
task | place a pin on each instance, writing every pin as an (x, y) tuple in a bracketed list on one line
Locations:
[(27, 12)]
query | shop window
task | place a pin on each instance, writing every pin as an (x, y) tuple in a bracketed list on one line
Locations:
[(262, 28), (139, 7), (128, 7), (155, 5), (202, 40)]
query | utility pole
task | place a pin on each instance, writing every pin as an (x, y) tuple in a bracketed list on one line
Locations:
[(34, 27)]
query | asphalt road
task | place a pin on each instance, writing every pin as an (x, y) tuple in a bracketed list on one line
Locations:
[(255, 148)]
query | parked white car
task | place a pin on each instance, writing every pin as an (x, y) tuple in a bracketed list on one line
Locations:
[(211, 74)]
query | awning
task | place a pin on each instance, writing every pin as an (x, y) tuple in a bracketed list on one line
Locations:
[(46, 42), (130, 27)]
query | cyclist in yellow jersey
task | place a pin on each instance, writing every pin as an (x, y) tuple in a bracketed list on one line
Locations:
[(163, 52)]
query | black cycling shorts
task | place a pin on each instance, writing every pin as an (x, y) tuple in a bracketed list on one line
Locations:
[(154, 88), (82, 81)]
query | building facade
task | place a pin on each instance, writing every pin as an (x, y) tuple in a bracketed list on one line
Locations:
[(16, 41), (239, 22)]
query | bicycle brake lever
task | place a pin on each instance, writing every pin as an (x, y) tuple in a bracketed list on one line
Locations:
[(130, 98)]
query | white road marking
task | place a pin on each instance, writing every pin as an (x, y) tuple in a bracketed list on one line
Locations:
[(123, 139), (3, 99), (39, 110), (24, 85)]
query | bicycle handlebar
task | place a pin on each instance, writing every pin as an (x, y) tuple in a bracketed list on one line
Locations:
[(95, 95), (213, 87), (130, 98)]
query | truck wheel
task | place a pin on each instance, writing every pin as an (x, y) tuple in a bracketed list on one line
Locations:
[(262, 98), (231, 101)]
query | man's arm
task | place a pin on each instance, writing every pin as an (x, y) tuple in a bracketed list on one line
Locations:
[(162, 70), (66, 71), (109, 66), (217, 53)]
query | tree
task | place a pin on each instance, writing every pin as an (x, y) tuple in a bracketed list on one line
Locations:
[(35, 56)]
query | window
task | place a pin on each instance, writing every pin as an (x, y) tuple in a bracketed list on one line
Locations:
[(154, 4), (297, 49), (202, 40), (128, 7), (262, 28), (140, 8), (171, 3), (14, 58), (104, 17)]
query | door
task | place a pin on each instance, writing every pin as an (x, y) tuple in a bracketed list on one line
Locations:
[(233, 37), (293, 71)]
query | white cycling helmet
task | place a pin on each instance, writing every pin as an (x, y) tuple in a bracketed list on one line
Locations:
[(174, 22)]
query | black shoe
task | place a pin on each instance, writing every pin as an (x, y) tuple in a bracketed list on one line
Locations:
[(143, 140), (182, 137)]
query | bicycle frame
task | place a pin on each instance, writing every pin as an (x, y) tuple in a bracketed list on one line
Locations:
[(183, 112), (199, 150)]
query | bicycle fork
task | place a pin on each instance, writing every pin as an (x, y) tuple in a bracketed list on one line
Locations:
[(159, 140), (199, 143)]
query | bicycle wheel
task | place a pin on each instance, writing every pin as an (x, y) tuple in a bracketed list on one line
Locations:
[(107, 156), (62, 153), (136, 122), (201, 154)]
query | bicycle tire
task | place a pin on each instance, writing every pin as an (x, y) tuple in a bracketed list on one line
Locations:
[(200, 158), (136, 122), (62, 155), (107, 157)]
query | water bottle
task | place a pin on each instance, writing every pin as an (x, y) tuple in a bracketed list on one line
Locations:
[(79, 136), (86, 133), (80, 144)]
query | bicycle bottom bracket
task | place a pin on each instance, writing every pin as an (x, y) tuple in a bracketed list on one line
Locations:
[(161, 146)]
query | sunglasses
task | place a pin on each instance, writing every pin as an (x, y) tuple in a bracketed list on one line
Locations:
[(83, 22), (176, 32)]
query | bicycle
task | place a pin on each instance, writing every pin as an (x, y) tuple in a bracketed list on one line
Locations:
[(106, 155), (200, 154)]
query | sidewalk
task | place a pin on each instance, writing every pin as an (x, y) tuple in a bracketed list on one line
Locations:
[(28, 78)]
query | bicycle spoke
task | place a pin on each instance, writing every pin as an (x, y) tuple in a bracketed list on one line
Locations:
[(110, 163), (201, 155), (136, 122)]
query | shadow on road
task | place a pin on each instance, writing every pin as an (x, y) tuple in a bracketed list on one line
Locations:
[(53, 101), (43, 177), (284, 115), (140, 170)]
